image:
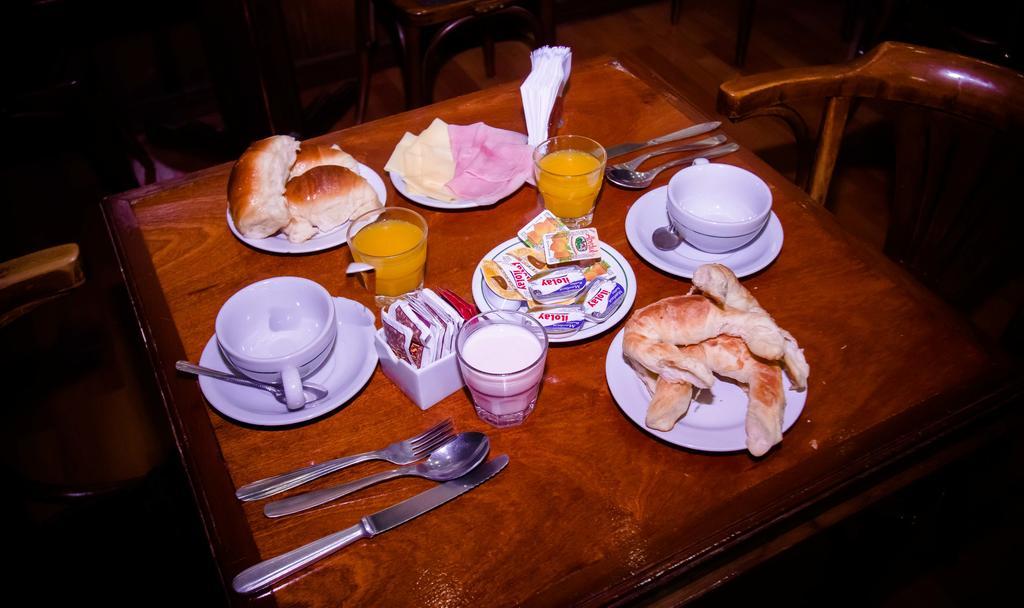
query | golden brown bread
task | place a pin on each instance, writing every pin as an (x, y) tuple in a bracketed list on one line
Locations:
[(653, 332), (720, 284), (318, 155), (324, 198), (256, 186)]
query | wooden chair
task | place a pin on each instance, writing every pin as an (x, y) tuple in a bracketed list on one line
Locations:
[(414, 19), (744, 25), (952, 219)]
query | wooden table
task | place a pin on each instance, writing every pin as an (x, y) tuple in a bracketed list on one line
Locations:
[(592, 509)]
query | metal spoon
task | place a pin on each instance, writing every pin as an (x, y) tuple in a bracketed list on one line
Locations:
[(697, 145), (451, 460), (666, 238), (642, 179), (314, 392)]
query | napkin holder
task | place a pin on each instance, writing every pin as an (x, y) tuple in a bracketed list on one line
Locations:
[(425, 386)]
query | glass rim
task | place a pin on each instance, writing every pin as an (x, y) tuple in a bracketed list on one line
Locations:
[(603, 158), (543, 350), (350, 236)]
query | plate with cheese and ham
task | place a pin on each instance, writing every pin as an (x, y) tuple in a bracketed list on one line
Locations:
[(460, 166)]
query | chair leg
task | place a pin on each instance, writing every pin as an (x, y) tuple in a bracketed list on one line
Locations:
[(488, 47), (677, 6), (743, 27), (365, 42), (414, 95)]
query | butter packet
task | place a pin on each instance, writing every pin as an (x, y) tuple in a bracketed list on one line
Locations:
[(499, 282), (545, 223), (571, 246), (558, 284), (602, 299), (559, 320)]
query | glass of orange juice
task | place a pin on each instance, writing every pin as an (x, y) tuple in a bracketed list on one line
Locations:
[(394, 241), (569, 171)]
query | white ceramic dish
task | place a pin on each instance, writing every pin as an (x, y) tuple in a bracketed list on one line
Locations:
[(649, 212), (426, 201), (279, 243), (344, 373), (715, 422), (487, 300)]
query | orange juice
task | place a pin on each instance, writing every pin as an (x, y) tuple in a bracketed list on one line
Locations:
[(569, 171), (397, 250)]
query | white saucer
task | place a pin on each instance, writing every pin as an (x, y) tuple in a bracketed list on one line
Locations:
[(279, 243), (715, 422), (488, 300), (399, 183), (649, 213), (343, 374)]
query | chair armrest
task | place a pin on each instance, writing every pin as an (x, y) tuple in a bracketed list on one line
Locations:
[(30, 280)]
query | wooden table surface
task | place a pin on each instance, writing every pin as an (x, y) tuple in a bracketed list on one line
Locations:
[(591, 509)]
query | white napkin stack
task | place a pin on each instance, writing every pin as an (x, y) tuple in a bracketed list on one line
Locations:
[(549, 74)]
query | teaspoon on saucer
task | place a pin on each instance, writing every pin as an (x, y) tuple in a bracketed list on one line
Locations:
[(314, 392)]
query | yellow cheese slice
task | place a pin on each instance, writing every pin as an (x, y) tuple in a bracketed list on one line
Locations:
[(425, 162)]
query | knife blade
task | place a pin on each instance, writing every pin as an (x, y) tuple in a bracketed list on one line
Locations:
[(703, 127), (274, 569)]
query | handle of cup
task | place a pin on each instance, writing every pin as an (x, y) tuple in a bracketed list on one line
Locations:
[(294, 396)]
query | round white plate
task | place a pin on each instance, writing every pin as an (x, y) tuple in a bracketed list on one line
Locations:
[(649, 213), (715, 422), (279, 243), (488, 300), (343, 374), (399, 183)]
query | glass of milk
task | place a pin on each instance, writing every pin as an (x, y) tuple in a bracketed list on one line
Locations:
[(501, 357)]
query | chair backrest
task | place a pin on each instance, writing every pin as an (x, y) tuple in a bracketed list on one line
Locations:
[(952, 221)]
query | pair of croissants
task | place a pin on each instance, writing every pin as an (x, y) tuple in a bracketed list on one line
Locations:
[(278, 185), (680, 342)]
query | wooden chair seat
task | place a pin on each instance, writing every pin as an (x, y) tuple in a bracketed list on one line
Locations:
[(953, 215)]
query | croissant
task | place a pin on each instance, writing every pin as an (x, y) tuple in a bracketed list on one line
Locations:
[(720, 284), (652, 333)]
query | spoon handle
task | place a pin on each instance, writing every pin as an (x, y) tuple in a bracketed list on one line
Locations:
[(192, 368), (712, 153), (708, 142), (268, 572), (308, 500)]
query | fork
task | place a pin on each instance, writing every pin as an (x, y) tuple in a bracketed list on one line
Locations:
[(707, 142), (400, 452)]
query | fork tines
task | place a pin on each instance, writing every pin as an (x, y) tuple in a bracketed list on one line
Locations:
[(431, 438)]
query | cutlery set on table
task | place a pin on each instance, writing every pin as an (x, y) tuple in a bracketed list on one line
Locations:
[(436, 454)]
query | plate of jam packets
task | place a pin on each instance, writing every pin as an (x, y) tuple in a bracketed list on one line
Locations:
[(572, 283)]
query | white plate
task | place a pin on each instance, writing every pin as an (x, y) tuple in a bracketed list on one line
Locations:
[(488, 300), (344, 373), (399, 183), (715, 422), (649, 213), (279, 243)]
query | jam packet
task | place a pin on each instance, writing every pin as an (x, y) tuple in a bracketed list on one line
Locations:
[(571, 246), (533, 232)]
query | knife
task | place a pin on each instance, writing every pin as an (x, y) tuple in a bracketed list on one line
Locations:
[(703, 127), (274, 569)]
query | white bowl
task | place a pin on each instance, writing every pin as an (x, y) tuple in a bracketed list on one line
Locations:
[(282, 325), (718, 207)]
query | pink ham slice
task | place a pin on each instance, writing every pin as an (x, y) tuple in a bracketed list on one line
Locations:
[(490, 163)]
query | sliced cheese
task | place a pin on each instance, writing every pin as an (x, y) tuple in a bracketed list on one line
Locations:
[(425, 162)]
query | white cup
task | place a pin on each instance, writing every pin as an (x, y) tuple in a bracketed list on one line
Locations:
[(278, 331), (718, 207)]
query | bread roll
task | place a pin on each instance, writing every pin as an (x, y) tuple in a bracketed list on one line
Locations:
[(316, 155), (257, 184), (324, 198)]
